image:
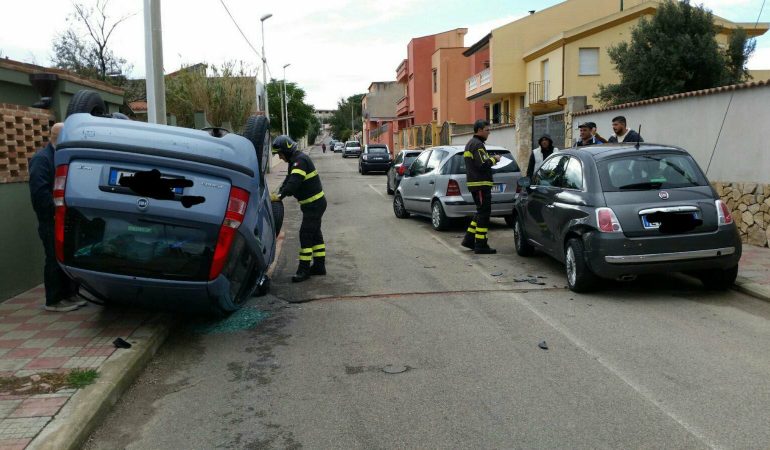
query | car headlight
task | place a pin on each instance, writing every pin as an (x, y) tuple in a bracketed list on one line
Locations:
[(365, 157)]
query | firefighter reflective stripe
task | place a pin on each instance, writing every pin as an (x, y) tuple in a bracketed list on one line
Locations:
[(306, 254), (300, 172), (467, 154), (480, 183), (311, 199), (311, 175), (319, 250), (481, 233), (472, 227)]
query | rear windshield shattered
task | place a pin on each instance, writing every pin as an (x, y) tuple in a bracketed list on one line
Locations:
[(649, 172)]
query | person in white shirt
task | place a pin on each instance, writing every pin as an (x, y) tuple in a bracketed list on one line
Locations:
[(543, 150)]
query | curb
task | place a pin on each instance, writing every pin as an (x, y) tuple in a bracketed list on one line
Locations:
[(87, 408), (755, 290)]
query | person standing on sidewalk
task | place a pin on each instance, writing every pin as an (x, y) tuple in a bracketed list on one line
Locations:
[(543, 150), (304, 184), (622, 132), (60, 290), (478, 169)]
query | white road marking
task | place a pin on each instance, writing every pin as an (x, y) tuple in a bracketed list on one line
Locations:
[(377, 190)]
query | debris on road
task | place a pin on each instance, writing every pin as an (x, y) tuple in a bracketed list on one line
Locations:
[(395, 369), (543, 345), (496, 274), (121, 343)]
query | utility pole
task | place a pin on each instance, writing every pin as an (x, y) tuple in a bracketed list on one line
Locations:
[(153, 55), (285, 100), (264, 64)]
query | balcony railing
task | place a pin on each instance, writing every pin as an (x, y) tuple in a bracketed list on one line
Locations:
[(401, 70), (402, 107), (538, 91), (478, 82)]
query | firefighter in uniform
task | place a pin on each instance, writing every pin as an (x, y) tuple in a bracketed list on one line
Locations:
[(478, 168), (303, 183)]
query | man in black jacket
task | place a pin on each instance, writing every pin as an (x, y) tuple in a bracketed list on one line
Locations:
[(303, 183), (60, 290), (478, 168), (622, 133), (586, 135)]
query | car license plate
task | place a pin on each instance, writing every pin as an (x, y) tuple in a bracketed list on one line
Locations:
[(498, 188), (117, 174), (655, 225)]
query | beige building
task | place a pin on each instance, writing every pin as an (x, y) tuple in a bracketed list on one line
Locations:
[(379, 111), (540, 60)]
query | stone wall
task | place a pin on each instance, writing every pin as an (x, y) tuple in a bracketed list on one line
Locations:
[(23, 130), (750, 207)]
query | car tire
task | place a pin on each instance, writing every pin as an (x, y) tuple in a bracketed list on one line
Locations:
[(579, 276), (364, 171), (398, 207), (277, 216), (257, 131), (389, 189), (523, 247), (438, 217), (719, 279), (86, 101), (509, 220)]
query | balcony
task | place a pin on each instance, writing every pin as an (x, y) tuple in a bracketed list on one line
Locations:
[(402, 107), (538, 92), (401, 71), (478, 83)]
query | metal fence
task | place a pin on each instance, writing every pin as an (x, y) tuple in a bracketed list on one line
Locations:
[(552, 124)]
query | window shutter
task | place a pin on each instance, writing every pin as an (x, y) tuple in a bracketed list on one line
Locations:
[(589, 61)]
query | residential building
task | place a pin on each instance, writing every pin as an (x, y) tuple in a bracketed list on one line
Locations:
[(541, 59), (379, 112)]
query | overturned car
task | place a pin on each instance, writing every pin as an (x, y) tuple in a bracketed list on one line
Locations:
[(164, 216)]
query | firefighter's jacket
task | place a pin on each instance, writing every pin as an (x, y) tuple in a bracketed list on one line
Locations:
[(302, 181), (478, 165)]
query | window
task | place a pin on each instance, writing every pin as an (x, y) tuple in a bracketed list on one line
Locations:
[(573, 176), (589, 61), (649, 172), (399, 159), (435, 114), (435, 80), (418, 166), (550, 171), (435, 159)]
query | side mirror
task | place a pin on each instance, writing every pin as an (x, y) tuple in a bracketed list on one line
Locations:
[(524, 182)]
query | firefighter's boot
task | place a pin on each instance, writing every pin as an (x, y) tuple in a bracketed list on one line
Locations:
[(470, 236), (319, 266), (303, 272)]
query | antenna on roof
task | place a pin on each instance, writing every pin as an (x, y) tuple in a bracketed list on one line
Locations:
[(531, 11), (639, 133)]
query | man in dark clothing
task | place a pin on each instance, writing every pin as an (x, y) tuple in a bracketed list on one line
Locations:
[(478, 168), (543, 150), (622, 133), (596, 134), (303, 183), (60, 290), (586, 138)]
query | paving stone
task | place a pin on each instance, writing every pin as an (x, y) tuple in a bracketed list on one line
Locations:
[(73, 342), (60, 351), (8, 326), (25, 312), (42, 334), (45, 318), (39, 343), (97, 351), (62, 325), (18, 334), (17, 353), (84, 362), (47, 363), (7, 407), (13, 343), (88, 332), (13, 364), (22, 428), (14, 444), (39, 407)]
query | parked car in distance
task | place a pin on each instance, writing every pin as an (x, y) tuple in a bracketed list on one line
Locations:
[(435, 186), (374, 158), (331, 144), (338, 146), (399, 166), (617, 211), (352, 148), (165, 216)]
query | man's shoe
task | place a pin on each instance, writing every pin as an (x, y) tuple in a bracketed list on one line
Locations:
[(318, 269), (300, 276), (74, 300), (484, 251), (61, 307)]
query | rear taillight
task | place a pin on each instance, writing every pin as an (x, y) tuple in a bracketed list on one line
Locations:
[(401, 169), (59, 184), (452, 189), (723, 214), (236, 211), (608, 221)]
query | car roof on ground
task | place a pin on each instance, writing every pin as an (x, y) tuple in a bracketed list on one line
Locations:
[(612, 150)]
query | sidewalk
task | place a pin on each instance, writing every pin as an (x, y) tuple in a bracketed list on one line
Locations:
[(754, 272)]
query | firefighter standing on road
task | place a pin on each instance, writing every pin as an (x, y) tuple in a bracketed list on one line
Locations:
[(303, 183), (478, 168)]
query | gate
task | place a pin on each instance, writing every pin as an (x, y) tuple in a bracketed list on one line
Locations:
[(552, 124)]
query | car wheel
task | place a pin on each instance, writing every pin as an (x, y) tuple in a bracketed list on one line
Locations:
[(277, 216), (388, 188), (86, 101), (438, 218), (509, 220), (398, 207), (257, 131), (364, 171), (719, 279), (359, 169), (579, 276), (523, 248)]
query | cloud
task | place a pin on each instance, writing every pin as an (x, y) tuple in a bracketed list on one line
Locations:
[(760, 60)]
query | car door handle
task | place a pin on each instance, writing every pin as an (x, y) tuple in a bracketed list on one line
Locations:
[(416, 184), (431, 182)]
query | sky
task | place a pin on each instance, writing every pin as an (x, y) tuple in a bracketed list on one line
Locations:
[(335, 48)]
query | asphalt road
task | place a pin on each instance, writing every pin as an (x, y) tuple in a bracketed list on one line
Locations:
[(656, 363)]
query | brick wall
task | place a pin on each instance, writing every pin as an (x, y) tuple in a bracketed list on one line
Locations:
[(23, 130)]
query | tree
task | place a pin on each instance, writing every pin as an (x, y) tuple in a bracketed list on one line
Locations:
[(227, 94), (84, 47), (675, 51), (301, 118), (341, 120)]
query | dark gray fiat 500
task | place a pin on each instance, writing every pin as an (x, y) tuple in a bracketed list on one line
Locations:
[(615, 211)]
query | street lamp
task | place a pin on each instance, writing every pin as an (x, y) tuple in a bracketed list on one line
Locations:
[(285, 102), (264, 63)]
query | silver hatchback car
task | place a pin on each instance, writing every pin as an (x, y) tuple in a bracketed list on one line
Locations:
[(435, 186)]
